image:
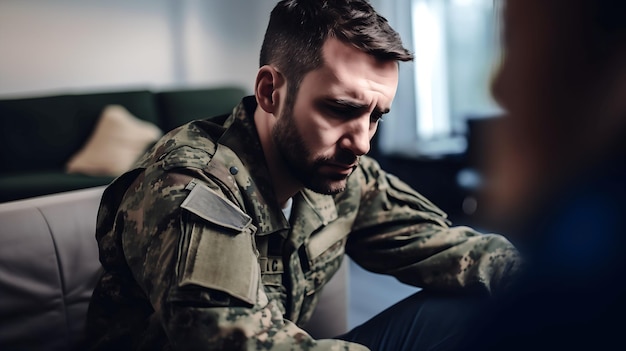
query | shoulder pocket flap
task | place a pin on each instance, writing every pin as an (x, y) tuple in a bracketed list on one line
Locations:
[(208, 205)]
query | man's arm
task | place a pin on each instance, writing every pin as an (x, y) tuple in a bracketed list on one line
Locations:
[(401, 233)]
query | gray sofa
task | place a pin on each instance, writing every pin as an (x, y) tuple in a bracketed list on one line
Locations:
[(49, 266)]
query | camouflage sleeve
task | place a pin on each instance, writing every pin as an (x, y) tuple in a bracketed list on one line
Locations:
[(199, 269), (399, 232)]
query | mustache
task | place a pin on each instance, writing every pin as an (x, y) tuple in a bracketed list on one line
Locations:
[(343, 157)]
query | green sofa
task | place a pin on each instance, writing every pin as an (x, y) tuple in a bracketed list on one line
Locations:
[(39, 135)]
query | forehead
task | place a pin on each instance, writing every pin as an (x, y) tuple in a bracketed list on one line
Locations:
[(350, 73)]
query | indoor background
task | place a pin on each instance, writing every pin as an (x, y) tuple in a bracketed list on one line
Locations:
[(73, 46)]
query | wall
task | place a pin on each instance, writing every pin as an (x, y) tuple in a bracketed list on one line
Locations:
[(51, 46)]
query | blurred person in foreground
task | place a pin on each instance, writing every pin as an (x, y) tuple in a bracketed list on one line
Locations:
[(224, 234), (556, 176)]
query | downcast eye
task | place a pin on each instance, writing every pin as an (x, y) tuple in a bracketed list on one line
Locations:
[(344, 112)]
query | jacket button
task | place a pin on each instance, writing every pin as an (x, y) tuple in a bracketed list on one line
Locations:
[(234, 170)]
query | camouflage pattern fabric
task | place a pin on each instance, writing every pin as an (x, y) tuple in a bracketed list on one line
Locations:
[(198, 254)]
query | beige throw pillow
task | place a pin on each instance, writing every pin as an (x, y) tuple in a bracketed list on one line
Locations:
[(116, 143)]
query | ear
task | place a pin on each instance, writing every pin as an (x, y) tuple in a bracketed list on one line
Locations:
[(267, 88)]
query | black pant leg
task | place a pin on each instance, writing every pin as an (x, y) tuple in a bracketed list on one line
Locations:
[(423, 321)]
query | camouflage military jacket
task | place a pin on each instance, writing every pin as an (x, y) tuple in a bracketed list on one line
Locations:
[(198, 254)]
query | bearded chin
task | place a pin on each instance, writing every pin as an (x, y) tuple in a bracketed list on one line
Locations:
[(324, 184), (308, 173), (298, 161)]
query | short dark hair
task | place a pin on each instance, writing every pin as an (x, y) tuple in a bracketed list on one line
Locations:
[(297, 31)]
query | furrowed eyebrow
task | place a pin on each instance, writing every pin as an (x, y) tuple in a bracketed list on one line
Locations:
[(358, 106), (348, 103)]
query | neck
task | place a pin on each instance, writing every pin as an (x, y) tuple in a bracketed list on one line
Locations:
[(285, 185)]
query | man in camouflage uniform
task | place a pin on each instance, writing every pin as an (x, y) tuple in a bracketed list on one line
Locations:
[(223, 235)]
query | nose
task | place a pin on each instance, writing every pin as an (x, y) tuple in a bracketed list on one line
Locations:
[(358, 136)]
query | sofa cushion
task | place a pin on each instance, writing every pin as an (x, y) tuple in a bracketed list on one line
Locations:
[(37, 133), (43, 132), (178, 107), (117, 141)]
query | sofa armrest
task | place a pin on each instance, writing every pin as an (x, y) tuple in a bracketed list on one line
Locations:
[(48, 268)]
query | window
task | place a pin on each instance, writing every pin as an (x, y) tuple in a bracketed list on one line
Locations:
[(455, 43)]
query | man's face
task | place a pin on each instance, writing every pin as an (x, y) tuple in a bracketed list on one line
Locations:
[(334, 117)]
